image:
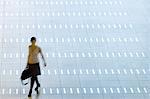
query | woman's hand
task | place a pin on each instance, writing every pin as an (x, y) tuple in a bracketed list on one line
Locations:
[(27, 66), (42, 57), (45, 64)]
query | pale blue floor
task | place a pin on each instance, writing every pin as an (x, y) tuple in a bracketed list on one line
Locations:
[(95, 49)]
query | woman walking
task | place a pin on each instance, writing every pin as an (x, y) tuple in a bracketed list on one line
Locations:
[(33, 64)]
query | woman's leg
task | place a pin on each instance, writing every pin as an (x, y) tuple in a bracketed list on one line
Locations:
[(37, 82), (38, 85), (31, 85)]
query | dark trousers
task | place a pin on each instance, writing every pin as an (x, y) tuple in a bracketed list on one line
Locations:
[(33, 79)]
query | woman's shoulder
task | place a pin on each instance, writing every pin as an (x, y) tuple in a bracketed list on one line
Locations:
[(35, 46), (38, 46)]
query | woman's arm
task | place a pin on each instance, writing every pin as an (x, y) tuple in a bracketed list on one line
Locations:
[(28, 57), (42, 56)]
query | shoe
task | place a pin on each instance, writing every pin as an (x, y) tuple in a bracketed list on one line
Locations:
[(37, 92), (30, 92), (36, 89), (29, 95)]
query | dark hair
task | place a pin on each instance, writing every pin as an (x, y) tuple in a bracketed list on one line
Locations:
[(33, 38)]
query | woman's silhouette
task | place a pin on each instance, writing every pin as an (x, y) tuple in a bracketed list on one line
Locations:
[(33, 64)]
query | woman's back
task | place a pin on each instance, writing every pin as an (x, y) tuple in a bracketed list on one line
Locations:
[(33, 54)]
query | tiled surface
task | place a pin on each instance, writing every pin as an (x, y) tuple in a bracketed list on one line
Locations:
[(95, 49)]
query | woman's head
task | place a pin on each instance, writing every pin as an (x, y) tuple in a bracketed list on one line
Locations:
[(33, 40)]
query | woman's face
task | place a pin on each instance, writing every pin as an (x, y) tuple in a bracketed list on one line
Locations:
[(33, 42)]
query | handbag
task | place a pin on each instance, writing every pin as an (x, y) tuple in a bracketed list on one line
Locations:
[(25, 75)]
